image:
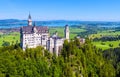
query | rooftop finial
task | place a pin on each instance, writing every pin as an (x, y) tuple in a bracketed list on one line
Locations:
[(34, 23)]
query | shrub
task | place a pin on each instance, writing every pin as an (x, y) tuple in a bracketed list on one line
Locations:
[(111, 45), (102, 43), (6, 43)]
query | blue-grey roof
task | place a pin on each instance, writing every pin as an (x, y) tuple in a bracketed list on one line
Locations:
[(29, 29), (55, 37)]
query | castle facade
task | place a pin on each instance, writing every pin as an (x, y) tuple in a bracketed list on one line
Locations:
[(32, 36)]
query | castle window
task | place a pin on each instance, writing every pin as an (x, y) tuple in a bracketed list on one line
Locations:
[(43, 38)]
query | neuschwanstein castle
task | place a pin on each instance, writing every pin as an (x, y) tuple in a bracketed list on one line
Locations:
[(32, 36)]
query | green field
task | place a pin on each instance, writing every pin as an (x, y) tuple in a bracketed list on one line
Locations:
[(13, 37), (105, 33), (60, 30), (106, 46)]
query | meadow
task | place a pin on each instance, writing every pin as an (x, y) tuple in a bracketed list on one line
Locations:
[(13, 38), (106, 44), (99, 44), (105, 33), (60, 30)]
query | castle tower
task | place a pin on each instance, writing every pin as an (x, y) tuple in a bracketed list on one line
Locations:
[(29, 20), (66, 32)]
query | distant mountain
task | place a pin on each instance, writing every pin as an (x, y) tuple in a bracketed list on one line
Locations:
[(9, 20), (13, 23)]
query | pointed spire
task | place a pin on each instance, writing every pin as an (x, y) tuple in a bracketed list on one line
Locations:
[(29, 17), (29, 20)]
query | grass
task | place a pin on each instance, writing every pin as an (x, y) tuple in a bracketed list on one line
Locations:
[(106, 46), (105, 33), (60, 30), (11, 37)]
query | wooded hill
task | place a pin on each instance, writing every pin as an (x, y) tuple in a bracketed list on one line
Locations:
[(76, 60)]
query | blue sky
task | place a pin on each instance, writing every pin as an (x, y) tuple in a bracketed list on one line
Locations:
[(85, 10)]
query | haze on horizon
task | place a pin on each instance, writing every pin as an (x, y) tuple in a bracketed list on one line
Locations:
[(84, 10)]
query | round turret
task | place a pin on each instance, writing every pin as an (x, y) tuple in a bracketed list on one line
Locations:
[(66, 32)]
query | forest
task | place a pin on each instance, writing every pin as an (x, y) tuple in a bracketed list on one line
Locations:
[(75, 60)]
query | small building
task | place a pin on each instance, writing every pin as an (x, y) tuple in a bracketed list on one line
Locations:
[(55, 43), (82, 40)]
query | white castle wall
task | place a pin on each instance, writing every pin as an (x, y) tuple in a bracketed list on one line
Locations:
[(34, 39)]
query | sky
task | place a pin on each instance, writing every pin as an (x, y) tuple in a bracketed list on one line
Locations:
[(83, 10)]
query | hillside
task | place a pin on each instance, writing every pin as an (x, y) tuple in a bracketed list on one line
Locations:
[(75, 61)]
